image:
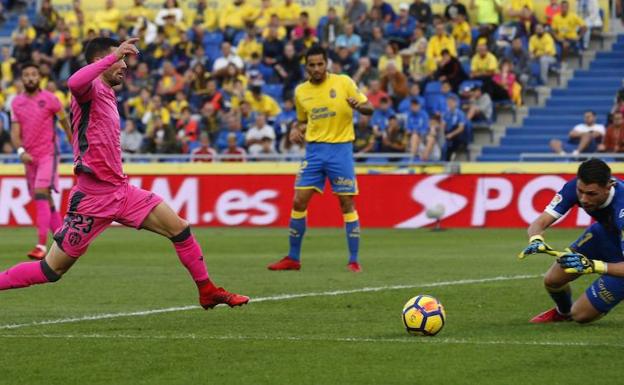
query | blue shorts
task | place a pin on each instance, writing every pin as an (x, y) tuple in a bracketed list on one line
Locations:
[(598, 243), (328, 160)]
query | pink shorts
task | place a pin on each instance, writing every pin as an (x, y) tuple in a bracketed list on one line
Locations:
[(42, 173), (91, 211)]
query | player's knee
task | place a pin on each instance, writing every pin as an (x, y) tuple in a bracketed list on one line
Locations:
[(582, 317), (183, 234), (300, 204), (42, 194), (553, 282)]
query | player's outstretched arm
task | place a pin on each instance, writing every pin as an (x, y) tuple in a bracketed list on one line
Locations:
[(80, 82)]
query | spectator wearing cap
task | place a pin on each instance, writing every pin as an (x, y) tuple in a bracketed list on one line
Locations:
[(355, 11), (227, 56), (365, 72), (256, 133), (417, 126), (375, 93), (454, 8), (203, 152), (584, 137), (567, 26), (479, 106), (394, 82), (450, 70), (419, 10), (454, 126), (235, 152), (385, 9), (542, 50), (402, 27), (614, 138), (437, 43), (394, 139), (364, 137), (350, 40)]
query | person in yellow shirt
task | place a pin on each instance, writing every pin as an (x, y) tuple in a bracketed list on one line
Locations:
[(249, 45), (66, 41), (483, 63), (391, 55), (289, 13), (567, 27), (155, 109), (137, 11), (325, 105), (542, 49), (78, 21), (108, 18), (437, 43), (7, 66), (275, 24), (462, 33), (261, 103), (136, 107), (514, 10), (266, 11), (24, 28), (235, 16), (177, 105)]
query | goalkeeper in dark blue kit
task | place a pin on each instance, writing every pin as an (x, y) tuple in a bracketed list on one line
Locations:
[(599, 250)]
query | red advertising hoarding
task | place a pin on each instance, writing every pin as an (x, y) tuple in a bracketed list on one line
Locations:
[(400, 201)]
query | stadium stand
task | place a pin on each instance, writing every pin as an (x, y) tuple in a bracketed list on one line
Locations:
[(207, 72)]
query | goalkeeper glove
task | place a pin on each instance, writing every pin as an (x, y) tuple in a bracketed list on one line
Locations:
[(578, 263), (536, 245)]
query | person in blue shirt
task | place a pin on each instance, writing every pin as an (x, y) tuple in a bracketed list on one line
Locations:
[(454, 125), (405, 104), (380, 117), (402, 27), (417, 125), (598, 250), (284, 118)]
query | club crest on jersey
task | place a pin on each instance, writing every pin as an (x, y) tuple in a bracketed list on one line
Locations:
[(621, 215), (41, 103), (332, 93), (555, 201)]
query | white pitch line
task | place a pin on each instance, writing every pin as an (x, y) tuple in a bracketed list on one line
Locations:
[(278, 297), (406, 340)]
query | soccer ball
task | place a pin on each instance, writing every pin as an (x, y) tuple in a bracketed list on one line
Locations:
[(423, 315)]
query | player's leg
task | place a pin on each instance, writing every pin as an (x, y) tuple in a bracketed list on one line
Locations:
[(146, 210), (42, 221), (556, 283), (310, 179), (341, 173), (49, 269)]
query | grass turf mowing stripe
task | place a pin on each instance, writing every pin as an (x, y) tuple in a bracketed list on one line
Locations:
[(408, 339), (278, 297)]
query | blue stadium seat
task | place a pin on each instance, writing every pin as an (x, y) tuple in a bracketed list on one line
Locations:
[(274, 90)]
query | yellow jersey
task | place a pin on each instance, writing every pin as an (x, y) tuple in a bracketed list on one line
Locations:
[(544, 46), (566, 27), (108, 19), (247, 47), (438, 44), (285, 12), (462, 33), (236, 16), (325, 109), (484, 64)]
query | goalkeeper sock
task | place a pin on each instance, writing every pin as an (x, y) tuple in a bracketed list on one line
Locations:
[(297, 229), (42, 206), (27, 274), (352, 227), (562, 297), (191, 256)]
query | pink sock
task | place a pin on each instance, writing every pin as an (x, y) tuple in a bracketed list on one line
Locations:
[(190, 255), (43, 219), (22, 275), (55, 220)]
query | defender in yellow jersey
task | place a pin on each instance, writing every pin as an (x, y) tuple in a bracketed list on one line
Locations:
[(325, 105)]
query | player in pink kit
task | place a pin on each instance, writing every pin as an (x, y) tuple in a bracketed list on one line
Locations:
[(34, 136), (102, 193)]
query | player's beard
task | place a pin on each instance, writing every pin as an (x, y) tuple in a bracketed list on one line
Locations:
[(31, 88)]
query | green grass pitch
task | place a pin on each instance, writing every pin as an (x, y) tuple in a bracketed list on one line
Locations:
[(336, 327)]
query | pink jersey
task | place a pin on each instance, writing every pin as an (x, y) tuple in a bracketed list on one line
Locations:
[(95, 124), (35, 115)]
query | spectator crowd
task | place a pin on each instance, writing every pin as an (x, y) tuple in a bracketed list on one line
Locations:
[(211, 82)]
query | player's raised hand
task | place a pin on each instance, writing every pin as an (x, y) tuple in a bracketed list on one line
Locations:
[(577, 263), (127, 48), (536, 245)]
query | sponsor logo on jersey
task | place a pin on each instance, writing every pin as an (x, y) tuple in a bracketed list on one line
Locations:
[(555, 201)]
